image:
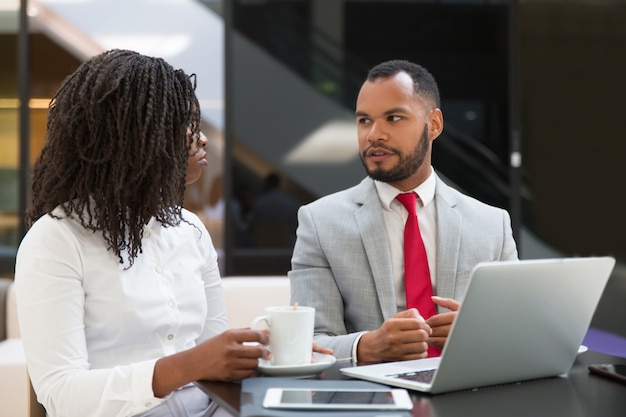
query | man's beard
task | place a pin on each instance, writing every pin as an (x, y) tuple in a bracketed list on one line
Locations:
[(406, 166)]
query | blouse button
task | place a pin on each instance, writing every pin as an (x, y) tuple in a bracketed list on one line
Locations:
[(158, 269), (147, 233), (171, 304), (170, 336)]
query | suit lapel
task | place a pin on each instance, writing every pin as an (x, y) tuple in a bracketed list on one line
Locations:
[(448, 239), (371, 224)]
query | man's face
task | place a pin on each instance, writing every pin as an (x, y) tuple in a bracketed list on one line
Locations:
[(395, 131)]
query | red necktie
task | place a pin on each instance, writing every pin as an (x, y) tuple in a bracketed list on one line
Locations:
[(419, 288)]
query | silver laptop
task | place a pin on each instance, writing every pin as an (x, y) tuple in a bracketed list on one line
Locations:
[(519, 320)]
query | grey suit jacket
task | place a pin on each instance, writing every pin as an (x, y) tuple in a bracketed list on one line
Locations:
[(341, 263)]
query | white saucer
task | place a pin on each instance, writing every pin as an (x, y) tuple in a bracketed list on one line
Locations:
[(582, 349), (322, 362)]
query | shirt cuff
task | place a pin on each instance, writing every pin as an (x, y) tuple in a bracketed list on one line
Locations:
[(354, 348), (142, 394)]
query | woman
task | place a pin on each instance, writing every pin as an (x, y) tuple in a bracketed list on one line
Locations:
[(118, 289)]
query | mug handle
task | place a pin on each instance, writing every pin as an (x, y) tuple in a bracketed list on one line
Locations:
[(259, 319)]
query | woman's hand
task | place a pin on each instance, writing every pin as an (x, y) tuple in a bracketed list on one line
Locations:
[(229, 356), (233, 355), (318, 349)]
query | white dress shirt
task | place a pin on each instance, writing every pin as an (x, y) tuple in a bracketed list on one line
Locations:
[(395, 218), (93, 328)]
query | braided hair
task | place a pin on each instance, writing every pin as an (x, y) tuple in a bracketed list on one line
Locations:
[(117, 150)]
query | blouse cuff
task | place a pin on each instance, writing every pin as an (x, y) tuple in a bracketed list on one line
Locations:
[(142, 394)]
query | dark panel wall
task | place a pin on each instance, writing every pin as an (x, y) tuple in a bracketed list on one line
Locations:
[(573, 60), (464, 46)]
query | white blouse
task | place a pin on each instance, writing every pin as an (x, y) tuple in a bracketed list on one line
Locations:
[(93, 328)]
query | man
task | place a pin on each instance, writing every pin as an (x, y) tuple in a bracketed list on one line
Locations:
[(274, 216), (348, 261)]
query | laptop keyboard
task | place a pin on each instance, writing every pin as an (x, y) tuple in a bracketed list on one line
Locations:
[(425, 376)]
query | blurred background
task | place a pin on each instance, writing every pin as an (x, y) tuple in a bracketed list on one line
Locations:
[(533, 96)]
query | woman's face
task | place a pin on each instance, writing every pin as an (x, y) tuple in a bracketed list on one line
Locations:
[(197, 155)]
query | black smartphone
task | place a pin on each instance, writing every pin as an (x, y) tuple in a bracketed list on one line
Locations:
[(615, 372)]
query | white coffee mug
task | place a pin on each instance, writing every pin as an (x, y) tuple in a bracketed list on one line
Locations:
[(291, 333)]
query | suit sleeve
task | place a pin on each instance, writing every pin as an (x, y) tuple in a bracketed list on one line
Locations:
[(509, 247), (313, 284)]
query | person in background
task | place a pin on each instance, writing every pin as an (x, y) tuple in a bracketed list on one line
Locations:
[(348, 260), (274, 216), (119, 296)]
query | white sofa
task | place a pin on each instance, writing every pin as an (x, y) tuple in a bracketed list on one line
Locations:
[(245, 298), (18, 398)]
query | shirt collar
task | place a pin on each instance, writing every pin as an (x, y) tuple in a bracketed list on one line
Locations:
[(426, 190)]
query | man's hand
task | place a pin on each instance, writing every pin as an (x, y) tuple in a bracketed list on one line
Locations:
[(441, 323), (402, 337)]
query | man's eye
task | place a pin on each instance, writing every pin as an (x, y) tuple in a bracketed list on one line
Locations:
[(362, 120), (394, 118)]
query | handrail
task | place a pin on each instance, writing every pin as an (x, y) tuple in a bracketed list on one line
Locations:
[(489, 173)]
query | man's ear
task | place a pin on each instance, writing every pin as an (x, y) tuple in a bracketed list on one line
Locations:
[(435, 123)]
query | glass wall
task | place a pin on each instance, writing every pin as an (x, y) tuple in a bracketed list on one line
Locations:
[(49, 65), (61, 36), (295, 70), (292, 69), (9, 143), (563, 95)]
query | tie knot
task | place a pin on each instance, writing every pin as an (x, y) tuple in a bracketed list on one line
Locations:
[(408, 201)]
